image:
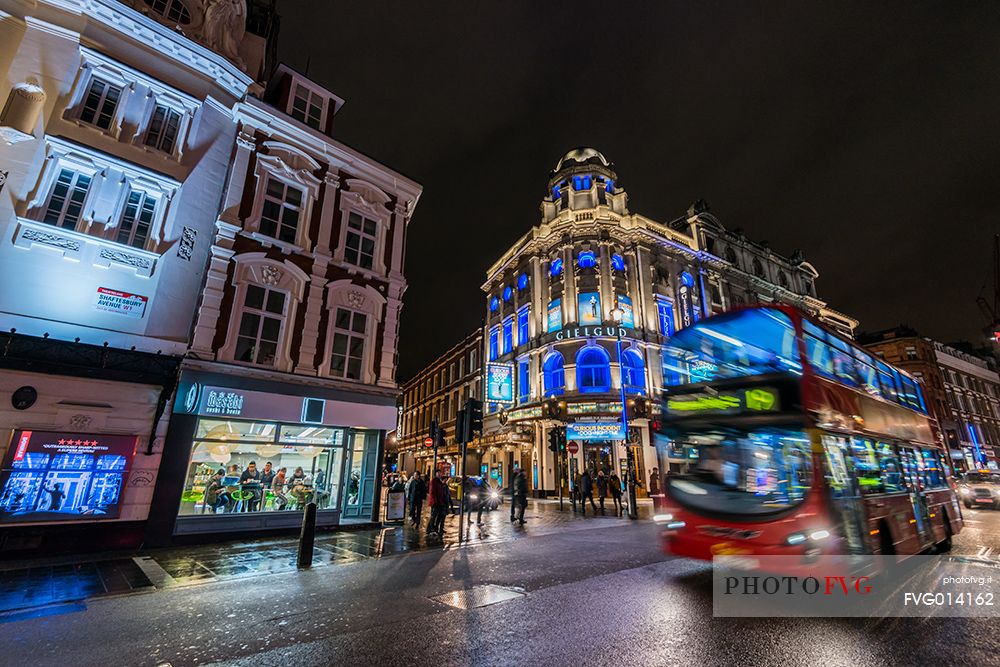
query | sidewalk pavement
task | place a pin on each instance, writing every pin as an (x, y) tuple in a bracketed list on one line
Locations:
[(33, 589)]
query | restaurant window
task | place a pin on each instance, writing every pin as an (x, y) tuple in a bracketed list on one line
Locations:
[(264, 466)]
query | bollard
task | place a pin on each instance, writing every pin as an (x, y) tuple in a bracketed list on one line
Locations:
[(308, 536)]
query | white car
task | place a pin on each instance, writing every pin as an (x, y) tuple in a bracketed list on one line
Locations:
[(980, 489)]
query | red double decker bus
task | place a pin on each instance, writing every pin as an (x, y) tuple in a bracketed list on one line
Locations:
[(781, 438)]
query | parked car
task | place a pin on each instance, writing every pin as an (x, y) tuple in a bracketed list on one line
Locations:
[(980, 489)]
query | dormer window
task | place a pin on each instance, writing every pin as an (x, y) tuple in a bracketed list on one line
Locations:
[(308, 106), (171, 11)]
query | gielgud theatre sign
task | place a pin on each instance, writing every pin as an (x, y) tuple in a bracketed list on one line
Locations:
[(569, 333)]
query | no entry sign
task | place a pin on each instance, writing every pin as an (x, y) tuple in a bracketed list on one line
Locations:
[(573, 447), (428, 442)]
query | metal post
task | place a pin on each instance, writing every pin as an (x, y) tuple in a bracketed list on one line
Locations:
[(461, 504), (559, 458), (633, 512), (308, 536)]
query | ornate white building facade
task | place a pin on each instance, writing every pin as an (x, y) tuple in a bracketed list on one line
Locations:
[(550, 330), (115, 138)]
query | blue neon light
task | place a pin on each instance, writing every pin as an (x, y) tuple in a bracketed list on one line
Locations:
[(507, 293), (556, 269), (494, 304), (586, 260), (522, 281), (617, 262)]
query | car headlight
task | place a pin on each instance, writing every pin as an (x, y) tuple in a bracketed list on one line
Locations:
[(494, 495), (473, 496), (964, 490)]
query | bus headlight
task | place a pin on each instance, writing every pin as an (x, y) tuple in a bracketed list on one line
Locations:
[(663, 518), (819, 535), (795, 538)]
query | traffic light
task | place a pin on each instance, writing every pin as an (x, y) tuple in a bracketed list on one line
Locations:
[(561, 439), (640, 407), (555, 409), (553, 440), (474, 417), (461, 434), (437, 434)]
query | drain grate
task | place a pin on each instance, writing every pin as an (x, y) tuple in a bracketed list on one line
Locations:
[(478, 596)]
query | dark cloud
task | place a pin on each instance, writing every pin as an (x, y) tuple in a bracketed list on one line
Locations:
[(863, 133)]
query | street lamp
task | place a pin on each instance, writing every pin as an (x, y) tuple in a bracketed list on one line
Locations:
[(617, 314)]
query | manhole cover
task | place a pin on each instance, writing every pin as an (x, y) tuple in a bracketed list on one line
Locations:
[(478, 596)]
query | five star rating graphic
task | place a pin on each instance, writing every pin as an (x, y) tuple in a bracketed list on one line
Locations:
[(78, 443)]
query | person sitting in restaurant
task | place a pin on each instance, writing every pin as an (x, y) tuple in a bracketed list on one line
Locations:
[(215, 492), (297, 487), (278, 489), (250, 481)]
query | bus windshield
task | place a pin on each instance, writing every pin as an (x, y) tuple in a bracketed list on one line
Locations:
[(747, 342), (743, 474)]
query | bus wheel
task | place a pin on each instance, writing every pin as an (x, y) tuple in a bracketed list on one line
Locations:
[(968, 505), (944, 546), (885, 540)]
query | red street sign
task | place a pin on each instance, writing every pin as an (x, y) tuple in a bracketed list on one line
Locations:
[(573, 447), (428, 442)]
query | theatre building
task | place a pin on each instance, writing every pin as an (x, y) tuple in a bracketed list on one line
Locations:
[(590, 273), (115, 135), (293, 357)]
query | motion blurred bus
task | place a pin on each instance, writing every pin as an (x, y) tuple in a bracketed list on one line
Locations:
[(779, 437)]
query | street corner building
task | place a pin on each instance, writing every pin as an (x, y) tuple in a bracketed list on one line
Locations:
[(583, 304), (193, 273)]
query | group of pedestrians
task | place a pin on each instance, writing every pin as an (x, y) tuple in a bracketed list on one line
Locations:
[(605, 484)]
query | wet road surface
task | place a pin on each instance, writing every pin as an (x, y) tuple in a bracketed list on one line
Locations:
[(602, 594)]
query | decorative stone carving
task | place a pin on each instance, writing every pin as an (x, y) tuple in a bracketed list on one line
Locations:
[(141, 478), (53, 240), (225, 25), (3, 179), (355, 299), (186, 248), (81, 421), (121, 257), (270, 275)]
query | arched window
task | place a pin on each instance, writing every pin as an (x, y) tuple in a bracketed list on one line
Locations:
[(687, 279), (522, 281), (758, 268), (782, 279), (507, 293), (494, 304), (553, 376), (617, 262), (730, 255), (593, 370), (633, 372), (556, 267), (586, 260)]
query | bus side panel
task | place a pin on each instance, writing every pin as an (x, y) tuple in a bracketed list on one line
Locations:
[(946, 517), (892, 512)]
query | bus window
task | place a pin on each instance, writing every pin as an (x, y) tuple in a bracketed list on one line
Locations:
[(737, 344), (920, 398), (933, 472), (911, 468), (885, 378), (866, 464), (747, 474), (843, 362), (866, 372), (892, 478)]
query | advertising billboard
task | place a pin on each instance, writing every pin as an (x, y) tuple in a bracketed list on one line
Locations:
[(500, 383), (48, 476), (628, 314), (586, 431), (589, 308), (554, 315)]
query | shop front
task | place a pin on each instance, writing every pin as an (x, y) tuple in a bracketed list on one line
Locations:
[(247, 456)]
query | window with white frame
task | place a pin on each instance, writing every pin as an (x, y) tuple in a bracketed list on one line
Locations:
[(281, 212), (172, 11), (65, 203), (100, 103), (308, 106), (164, 126), (360, 243), (262, 319), (137, 219), (348, 351)]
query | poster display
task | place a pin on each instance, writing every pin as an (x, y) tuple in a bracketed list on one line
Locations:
[(587, 431), (500, 383), (628, 314), (554, 316), (48, 476), (589, 308)]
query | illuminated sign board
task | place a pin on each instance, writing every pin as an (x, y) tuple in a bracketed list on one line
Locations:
[(628, 314), (554, 316), (595, 431), (122, 303), (50, 476), (222, 402), (589, 308), (500, 383), (757, 399)]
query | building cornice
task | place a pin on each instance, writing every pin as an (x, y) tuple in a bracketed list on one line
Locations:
[(276, 123)]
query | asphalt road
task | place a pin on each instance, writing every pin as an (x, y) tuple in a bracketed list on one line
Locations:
[(600, 596)]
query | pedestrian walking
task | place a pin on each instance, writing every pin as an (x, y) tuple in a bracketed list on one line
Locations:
[(602, 488), (475, 498), (418, 492), (438, 500), (615, 487), (587, 491), (520, 499), (513, 503), (654, 482)]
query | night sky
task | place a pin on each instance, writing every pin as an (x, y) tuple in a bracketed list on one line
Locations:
[(866, 134)]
